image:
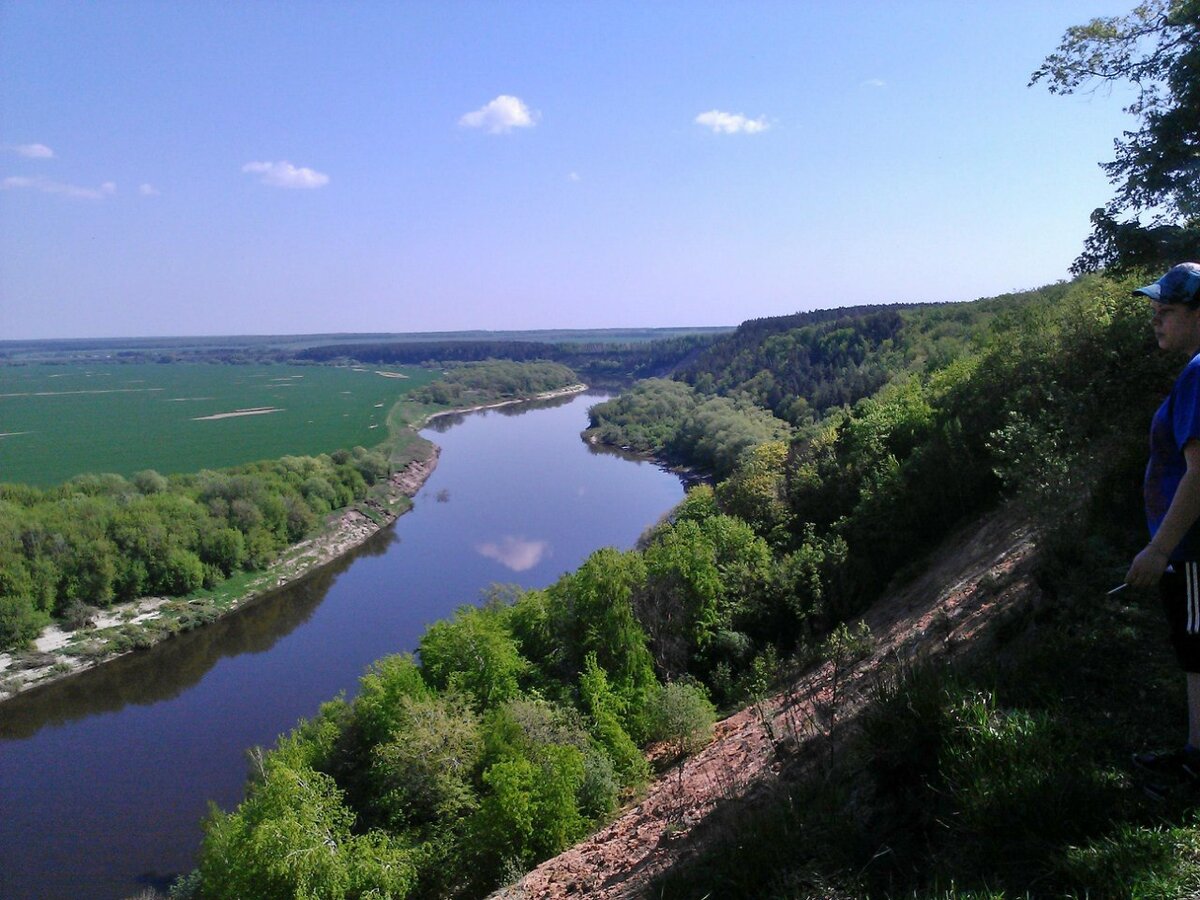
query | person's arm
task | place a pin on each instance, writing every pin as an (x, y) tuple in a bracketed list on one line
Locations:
[(1148, 566)]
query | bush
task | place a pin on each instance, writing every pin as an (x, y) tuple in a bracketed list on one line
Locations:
[(19, 621), (681, 715)]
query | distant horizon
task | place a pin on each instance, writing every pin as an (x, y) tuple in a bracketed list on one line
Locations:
[(466, 333), (429, 166), (498, 331)]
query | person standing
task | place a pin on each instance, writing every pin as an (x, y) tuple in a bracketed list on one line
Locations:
[(1171, 559)]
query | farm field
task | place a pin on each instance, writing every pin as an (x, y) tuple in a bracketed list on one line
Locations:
[(58, 421)]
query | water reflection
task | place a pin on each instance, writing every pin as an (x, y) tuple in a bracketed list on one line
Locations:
[(166, 670), (515, 553), (444, 423)]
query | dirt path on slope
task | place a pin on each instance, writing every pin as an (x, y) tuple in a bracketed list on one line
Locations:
[(978, 574)]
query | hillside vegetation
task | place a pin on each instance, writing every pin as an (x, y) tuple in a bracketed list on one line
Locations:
[(517, 729)]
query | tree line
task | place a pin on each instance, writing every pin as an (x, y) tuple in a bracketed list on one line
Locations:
[(469, 384), (598, 361), (103, 539)]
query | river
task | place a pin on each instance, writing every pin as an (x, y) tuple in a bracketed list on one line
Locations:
[(104, 777)]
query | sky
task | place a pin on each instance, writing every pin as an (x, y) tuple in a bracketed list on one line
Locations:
[(178, 168)]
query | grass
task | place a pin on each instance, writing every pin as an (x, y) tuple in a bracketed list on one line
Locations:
[(64, 420)]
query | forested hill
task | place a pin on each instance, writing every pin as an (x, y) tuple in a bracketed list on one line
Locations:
[(521, 724), (800, 366)]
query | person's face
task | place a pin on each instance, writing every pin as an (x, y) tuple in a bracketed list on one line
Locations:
[(1176, 328)]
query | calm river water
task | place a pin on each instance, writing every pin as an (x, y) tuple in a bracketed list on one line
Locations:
[(104, 777)]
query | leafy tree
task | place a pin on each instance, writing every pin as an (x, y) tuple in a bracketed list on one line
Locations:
[(475, 652), (756, 492), (593, 612), (534, 777), (20, 620), (422, 775), (607, 710), (293, 837), (1156, 48), (378, 709)]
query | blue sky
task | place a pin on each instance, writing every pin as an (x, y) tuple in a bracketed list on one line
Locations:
[(283, 168)]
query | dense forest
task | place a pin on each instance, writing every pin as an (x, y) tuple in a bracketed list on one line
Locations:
[(517, 725)]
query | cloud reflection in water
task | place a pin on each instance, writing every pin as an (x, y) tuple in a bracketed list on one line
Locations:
[(515, 553)]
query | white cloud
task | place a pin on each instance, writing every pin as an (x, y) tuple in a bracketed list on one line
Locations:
[(874, 83), (515, 553), (731, 123), (33, 151), (500, 116), (284, 175), (148, 190), (572, 176), (46, 186)]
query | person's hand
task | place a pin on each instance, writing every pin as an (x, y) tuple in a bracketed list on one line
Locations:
[(1147, 568)]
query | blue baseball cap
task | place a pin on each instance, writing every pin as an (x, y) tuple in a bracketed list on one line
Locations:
[(1180, 285)]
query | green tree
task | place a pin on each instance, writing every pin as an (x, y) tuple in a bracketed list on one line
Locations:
[(292, 838), (1156, 48), (607, 710), (475, 652), (535, 780), (593, 612), (757, 491), (422, 776)]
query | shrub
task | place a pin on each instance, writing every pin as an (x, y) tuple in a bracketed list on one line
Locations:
[(681, 715)]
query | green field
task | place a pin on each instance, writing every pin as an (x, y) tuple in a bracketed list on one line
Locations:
[(57, 421)]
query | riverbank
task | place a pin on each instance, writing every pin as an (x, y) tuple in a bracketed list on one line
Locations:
[(123, 628), (567, 391), (58, 653)]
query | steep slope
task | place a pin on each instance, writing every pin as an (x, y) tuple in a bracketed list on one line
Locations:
[(976, 577)]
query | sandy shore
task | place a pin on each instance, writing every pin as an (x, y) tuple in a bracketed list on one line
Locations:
[(548, 395), (52, 658)]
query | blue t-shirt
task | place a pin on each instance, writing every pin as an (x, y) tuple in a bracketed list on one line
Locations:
[(1176, 422)]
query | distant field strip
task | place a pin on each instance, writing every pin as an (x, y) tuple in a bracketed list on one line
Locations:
[(257, 411), (69, 393), (183, 417)]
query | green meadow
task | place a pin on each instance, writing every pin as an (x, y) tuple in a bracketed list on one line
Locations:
[(58, 421)]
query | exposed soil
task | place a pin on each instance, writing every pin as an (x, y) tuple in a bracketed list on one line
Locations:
[(252, 411), (976, 577)]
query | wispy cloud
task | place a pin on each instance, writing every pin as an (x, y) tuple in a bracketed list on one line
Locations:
[(874, 83), (731, 123), (283, 174), (572, 176), (148, 190), (33, 151), (517, 554), (46, 186), (500, 116)]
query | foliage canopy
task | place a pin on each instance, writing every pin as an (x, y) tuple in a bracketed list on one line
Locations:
[(1156, 169)]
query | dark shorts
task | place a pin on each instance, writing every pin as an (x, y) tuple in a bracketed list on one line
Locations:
[(1180, 592)]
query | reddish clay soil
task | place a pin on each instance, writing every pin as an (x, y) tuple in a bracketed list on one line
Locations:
[(977, 575)]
